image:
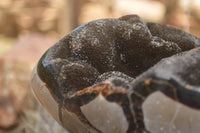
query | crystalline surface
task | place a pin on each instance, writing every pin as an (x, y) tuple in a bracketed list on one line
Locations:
[(128, 44), (124, 51)]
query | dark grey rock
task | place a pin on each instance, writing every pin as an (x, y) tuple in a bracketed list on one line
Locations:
[(123, 50)]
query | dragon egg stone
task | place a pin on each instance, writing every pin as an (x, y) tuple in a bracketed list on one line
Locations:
[(122, 75)]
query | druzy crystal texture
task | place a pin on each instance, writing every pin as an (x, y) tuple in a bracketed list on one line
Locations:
[(122, 75)]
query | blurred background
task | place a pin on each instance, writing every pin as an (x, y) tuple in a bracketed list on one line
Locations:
[(29, 27)]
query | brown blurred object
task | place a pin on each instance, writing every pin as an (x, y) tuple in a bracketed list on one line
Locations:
[(62, 16), (69, 17), (14, 84), (183, 14), (15, 73), (29, 48), (171, 9), (149, 10), (96, 9), (75, 13), (25, 16)]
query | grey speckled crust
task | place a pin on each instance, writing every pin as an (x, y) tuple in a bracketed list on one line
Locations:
[(121, 49), (127, 44)]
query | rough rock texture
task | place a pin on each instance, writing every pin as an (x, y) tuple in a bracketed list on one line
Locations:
[(77, 67), (127, 44)]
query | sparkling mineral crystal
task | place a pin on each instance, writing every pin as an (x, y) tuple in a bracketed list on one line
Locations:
[(122, 76)]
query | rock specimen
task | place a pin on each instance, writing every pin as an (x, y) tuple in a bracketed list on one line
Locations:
[(97, 78)]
